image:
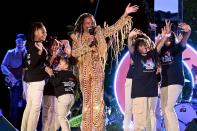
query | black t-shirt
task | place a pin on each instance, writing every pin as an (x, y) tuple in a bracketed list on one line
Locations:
[(49, 88), (131, 69), (144, 82), (130, 72), (172, 66), (64, 82), (34, 64)]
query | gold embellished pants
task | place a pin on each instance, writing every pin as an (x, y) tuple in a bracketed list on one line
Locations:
[(92, 87)]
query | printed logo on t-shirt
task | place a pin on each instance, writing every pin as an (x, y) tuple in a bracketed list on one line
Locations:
[(148, 65), (69, 85), (167, 58)]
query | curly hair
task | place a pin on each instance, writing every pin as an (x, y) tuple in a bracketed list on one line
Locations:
[(79, 23)]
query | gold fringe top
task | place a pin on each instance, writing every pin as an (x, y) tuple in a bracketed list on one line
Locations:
[(122, 27)]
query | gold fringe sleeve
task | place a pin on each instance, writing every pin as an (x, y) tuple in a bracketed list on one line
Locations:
[(123, 21), (119, 31), (122, 27)]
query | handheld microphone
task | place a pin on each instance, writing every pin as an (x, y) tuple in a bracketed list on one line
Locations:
[(91, 30)]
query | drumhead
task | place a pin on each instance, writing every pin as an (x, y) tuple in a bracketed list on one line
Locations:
[(185, 114)]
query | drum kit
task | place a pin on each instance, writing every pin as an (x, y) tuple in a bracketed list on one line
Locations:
[(185, 114), (185, 104)]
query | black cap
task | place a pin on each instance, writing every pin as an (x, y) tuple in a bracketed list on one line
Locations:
[(20, 36)]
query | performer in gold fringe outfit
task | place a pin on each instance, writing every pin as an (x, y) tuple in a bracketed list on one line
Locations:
[(91, 52)]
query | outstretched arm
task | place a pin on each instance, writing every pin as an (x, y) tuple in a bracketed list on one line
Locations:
[(132, 35), (187, 31), (124, 20)]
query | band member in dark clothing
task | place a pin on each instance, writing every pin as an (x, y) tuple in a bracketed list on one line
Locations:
[(12, 69), (34, 75)]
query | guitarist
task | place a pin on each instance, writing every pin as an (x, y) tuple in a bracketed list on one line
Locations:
[(11, 67)]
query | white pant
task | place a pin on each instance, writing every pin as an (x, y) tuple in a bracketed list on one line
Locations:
[(65, 102), (49, 110), (169, 96), (144, 113), (24, 90), (32, 109), (128, 105)]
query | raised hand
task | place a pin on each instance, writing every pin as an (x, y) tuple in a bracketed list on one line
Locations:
[(187, 31), (165, 34), (168, 26), (67, 47), (64, 43), (130, 9), (163, 31), (184, 27), (134, 33)]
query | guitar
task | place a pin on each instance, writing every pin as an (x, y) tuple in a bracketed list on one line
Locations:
[(17, 72)]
